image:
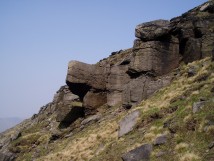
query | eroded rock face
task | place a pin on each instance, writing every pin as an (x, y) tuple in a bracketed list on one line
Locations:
[(195, 32), (129, 76), (65, 105), (156, 57), (141, 88), (116, 81), (93, 100)]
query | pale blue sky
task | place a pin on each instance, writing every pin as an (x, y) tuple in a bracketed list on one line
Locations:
[(38, 38)]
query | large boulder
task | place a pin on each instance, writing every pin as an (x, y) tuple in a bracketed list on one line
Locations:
[(128, 122), (153, 30), (81, 77)]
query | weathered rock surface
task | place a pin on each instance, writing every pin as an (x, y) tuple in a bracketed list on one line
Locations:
[(128, 76), (160, 140), (7, 157), (142, 87), (125, 78), (93, 118), (152, 30), (157, 57), (128, 122), (116, 81), (194, 29), (92, 76), (141, 153), (93, 100)]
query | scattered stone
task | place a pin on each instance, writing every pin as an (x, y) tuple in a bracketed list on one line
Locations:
[(160, 153), (116, 52), (160, 140), (198, 106), (202, 99), (54, 137), (16, 135), (90, 119), (191, 124), (211, 145), (128, 122), (173, 127), (34, 116), (141, 153), (69, 135), (56, 134), (7, 156), (191, 71)]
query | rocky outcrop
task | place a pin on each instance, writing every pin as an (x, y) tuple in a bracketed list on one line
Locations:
[(129, 76), (66, 107), (123, 79), (195, 32)]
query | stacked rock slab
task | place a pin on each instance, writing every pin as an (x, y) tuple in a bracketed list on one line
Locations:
[(155, 53), (127, 77)]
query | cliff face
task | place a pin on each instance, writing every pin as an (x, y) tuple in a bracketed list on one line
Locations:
[(94, 103)]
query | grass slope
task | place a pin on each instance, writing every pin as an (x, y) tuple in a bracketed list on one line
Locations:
[(168, 111)]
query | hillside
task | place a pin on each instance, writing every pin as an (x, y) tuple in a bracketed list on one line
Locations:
[(153, 101)]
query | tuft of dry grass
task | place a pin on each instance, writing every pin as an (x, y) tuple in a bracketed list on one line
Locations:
[(85, 147), (181, 146), (189, 157)]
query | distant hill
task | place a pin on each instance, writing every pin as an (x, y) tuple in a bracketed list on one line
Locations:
[(6, 123)]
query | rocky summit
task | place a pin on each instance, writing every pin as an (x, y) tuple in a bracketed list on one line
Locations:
[(153, 101)]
